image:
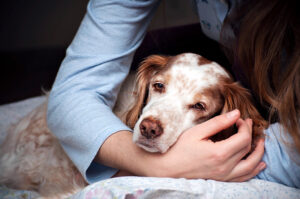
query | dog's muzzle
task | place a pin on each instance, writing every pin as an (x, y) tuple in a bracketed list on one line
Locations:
[(151, 128)]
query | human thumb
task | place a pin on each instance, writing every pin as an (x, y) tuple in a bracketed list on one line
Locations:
[(217, 124)]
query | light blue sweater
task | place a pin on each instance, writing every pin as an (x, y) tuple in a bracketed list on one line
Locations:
[(96, 64)]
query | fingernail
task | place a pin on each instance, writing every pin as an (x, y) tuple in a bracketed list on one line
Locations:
[(262, 140), (262, 166), (250, 122), (232, 114)]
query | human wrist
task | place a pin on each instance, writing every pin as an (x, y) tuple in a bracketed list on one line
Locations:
[(128, 156), (157, 165), (152, 164), (131, 158)]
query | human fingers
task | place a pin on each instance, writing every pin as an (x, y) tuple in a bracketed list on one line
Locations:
[(239, 144), (261, 166), (233, 149), (121, 173), (216, 124), (248, 167)]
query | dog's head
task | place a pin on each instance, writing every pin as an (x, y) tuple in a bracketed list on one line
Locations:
[(176, 93)]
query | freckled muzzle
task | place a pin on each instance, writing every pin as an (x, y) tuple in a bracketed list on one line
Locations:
[(157, 129), (148, 133)]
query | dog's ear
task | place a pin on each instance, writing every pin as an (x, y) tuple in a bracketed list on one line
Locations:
[(238, 97), (148, 68)]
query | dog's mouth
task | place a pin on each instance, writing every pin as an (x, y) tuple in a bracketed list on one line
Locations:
[(149, 145)]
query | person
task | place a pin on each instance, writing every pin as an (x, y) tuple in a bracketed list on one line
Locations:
[(264, 51)]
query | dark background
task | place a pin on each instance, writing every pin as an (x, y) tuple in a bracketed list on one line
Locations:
[(34, 35)]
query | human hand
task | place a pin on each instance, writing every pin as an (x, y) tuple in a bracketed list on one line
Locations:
[(195, 156), (122, 173)]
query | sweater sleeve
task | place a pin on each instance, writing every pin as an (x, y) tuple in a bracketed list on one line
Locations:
[(90, 76), (281, 157)]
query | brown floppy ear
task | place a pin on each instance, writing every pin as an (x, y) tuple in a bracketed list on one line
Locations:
[(148, 68), (238, 97)]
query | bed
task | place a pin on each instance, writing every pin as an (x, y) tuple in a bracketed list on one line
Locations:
[(145, 187)]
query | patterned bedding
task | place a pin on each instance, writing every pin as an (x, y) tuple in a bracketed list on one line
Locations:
[(163, 188), (142, 187)]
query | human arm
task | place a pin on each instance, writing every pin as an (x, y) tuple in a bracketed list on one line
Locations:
[(86, 87), (88, 81), (282, 158), (193, 156)]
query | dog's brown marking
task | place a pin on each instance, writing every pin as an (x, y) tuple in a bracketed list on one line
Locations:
[(203, 60), (213, 105)]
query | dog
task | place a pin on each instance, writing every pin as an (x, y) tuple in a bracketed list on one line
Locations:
[(169, 95), (176, 93)]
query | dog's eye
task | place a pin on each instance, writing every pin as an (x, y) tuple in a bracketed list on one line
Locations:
[(159, 87), (199, 106)]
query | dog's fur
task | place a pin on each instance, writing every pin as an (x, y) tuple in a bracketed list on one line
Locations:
[(172, 95)]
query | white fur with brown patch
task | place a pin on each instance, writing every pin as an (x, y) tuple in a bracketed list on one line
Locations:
[(183, 80)]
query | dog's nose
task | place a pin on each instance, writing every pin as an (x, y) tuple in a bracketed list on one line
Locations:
[(151, 128)]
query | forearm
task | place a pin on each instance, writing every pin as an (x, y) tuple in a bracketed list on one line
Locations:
[(89, 79), (193, 156), (118, 151)]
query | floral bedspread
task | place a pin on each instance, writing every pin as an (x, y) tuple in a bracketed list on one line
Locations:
[(148, 188), (165, 188)]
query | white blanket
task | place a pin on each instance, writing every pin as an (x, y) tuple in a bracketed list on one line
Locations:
[(163, 188), (142, 187)]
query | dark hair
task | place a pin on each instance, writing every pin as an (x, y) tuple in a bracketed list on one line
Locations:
[(263, 39)]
